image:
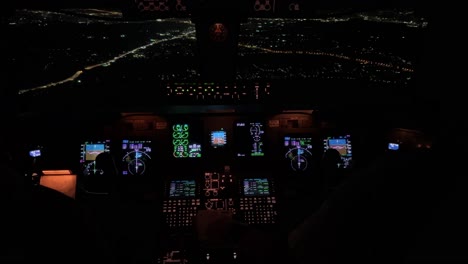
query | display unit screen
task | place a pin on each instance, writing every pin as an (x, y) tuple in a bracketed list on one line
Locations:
[(182, 188), (136, 158), (393, 146), (89, 151), (298, 142), (218, 138), (250, 137), (35, 153), (256, 187), (186, 141), (298, 152), (343, 145)]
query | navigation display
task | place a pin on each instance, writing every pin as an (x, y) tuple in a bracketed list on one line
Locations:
[(256, 187), (299, 152), (344, 147), (182, 188), (89, 151), (250, 139), (186, 141), (137, 157)]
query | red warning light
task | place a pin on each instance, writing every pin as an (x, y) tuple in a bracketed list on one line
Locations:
[(218, 32)]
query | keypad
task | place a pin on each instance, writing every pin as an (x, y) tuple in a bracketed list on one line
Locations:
[(258, 210), (180, 212)]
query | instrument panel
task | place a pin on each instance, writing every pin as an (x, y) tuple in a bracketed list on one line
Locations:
[(211, 142), (151, 146), (234, 163), (249, 200), (281, 145), (224, 161)]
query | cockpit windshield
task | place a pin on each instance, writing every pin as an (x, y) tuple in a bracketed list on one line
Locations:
[(55, 48)]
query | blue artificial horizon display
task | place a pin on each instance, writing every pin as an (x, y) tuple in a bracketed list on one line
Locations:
[(218, 138)]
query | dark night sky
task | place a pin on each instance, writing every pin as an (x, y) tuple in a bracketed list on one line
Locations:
[(421, 6), (111, 3)]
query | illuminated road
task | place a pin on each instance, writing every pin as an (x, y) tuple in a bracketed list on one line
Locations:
[(107, 63), (327, 54)]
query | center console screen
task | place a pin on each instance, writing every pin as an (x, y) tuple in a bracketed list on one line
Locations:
[(344, 147), (89, 151), (298, 152), (182, 203), (250, 136), (182, 188), (257, 205), (186, 141), (256, 187), (137, 157)]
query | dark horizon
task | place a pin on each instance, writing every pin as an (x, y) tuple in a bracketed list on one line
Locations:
[(317, 8)]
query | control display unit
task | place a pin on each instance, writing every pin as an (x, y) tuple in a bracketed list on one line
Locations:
[(257, 204), (256, 187), (182, 188), (181, 205)]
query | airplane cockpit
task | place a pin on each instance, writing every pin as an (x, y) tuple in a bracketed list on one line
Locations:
[(160, 118)]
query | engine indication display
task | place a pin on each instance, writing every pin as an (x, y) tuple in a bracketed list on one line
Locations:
[(251, 137), (184, 144), (137, 157), (299, 152), (89, 151)]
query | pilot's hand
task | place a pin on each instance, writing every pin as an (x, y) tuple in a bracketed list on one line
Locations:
[(218, 228), (214, 226)]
